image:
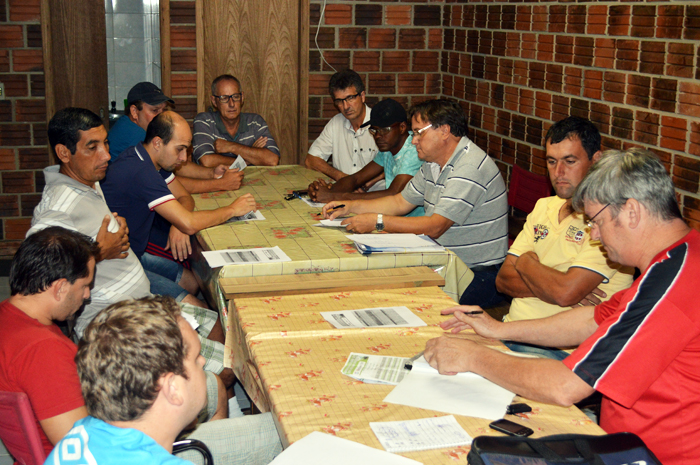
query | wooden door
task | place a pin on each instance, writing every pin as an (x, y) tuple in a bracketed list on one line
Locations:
[(265, 45), (75, 55)]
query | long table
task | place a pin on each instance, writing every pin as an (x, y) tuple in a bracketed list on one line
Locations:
[(289, 360), (288, 224)]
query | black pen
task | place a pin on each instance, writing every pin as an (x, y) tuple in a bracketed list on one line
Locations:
[(475, 312), (336, 207), (409, 364)]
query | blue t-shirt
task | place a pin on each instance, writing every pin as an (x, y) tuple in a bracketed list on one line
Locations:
[(124, 134), (406, 161), (134, 188), (94, 441)]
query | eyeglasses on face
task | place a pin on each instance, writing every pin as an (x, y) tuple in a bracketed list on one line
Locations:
[(381, 131), (225, 98), (419, 132), (590, 223), (349, 99)]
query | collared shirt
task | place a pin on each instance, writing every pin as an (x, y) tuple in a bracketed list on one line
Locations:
[(560, 246), (469, 190), (75, 206), (208, 127), (405, 161), (351, 150)]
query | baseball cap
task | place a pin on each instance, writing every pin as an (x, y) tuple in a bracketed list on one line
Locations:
[(386, 113), (147, 92)]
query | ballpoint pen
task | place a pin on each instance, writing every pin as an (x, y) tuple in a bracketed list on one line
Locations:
[(409, 364), (336, 207)]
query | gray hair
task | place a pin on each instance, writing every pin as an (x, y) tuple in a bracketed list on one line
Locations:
[(635, 173)]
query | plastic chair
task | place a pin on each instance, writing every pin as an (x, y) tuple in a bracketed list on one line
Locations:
[(524, 190), (193, 444), (18, 429)]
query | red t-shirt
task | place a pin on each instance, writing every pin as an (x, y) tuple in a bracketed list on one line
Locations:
[(645, 356), (38, 360)]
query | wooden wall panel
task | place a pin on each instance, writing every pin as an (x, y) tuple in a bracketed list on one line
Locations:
[(261, 47)]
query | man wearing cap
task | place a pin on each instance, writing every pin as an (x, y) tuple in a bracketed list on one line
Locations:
[(226, 133), (397, 160), (348, 145), (145, 101)]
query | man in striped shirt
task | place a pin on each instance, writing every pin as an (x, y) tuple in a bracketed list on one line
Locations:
[(460, 187)]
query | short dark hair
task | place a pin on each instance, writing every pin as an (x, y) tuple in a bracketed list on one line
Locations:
[(344, 79), (575, 127), (162, 126), (440, 112), (224, 77), (137, 103), (123, 354), (49, 255), (65, 126)]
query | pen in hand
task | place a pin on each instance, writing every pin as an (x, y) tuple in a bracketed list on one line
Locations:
[(337, 207), (409, 364), (476, 312)]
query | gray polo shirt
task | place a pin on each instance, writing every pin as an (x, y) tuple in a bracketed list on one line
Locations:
[(75, 206), (470, 191)]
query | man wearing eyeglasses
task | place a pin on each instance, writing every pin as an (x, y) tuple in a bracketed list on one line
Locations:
[(397, 160), (225, 133), (344, 140), (553, 265)]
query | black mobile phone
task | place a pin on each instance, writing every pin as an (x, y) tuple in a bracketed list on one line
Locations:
[(511, 428)]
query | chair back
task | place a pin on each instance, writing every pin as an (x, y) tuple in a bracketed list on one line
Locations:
[(194, 444), (18, 429), (526, 188)]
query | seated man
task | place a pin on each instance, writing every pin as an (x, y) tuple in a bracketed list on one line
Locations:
[(225, 133), (144, 102), (460, 187), (553, 265), (50, 277), (135, 186), (397, 160), (344, 138), (640, 348)]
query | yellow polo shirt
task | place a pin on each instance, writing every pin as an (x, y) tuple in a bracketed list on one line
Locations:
[(562, 246)]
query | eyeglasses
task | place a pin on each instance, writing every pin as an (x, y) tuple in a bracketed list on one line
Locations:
[(419, 132), (225, 98), (381, 131), (349, 99), (590, 222)]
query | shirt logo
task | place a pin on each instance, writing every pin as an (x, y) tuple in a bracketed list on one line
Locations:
[(574, 234), (541, 232)]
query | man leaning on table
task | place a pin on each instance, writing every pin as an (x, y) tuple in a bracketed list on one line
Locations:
[(459, 186), (640, 348), (225, 133), (344, 140), (397, 160), (553, 265)]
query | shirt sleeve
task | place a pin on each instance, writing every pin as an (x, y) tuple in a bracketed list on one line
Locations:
[(593, 258), (153, 189), (202, 137), (323, 145), (50, 378), (264, 131), (414, 192)]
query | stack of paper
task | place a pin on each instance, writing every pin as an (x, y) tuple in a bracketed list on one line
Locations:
[(375, 369), (394, 243)]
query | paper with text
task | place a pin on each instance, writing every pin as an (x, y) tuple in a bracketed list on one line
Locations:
[(380, 317), (238, 163), (245, 256), (375, 369), (250, 216), (423, 434)]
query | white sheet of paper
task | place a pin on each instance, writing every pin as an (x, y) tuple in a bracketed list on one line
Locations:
[(322, 449), (239, 163), (380, 317), (375, 369), (311, 203), (245, 256), (332, 223), (463, 394), (423, 434), (404, 240), (250, 216)]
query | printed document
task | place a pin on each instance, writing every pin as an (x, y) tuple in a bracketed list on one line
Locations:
[(380, 317), (245, 256), (375, 369), (250, 216), (423, 434), (238, 163)]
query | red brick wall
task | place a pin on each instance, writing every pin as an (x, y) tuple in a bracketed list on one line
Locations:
[(394, 45), (183, 57), (23, 149), (633, 68)]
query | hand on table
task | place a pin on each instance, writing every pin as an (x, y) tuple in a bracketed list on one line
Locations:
[(449, 355), (330, 214), (361, 224), (243, 205), (481, 323), (319, 191)]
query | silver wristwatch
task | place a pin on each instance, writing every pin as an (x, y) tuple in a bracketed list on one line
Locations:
[(380, 222)]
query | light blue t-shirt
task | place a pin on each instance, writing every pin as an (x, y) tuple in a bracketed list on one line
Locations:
[(406, 161), (93, 441), (124, 134)]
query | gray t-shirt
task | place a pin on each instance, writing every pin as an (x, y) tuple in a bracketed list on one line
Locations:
[(469, 191)]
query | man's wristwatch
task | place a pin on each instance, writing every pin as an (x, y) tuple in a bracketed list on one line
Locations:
[(380, 222)]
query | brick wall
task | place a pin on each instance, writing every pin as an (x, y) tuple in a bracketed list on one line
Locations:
[(23, 149), (633, 68), (394, 45), (183, 57)]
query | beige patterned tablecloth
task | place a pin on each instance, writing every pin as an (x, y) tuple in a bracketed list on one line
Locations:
[(289, 359), (289, 225)]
